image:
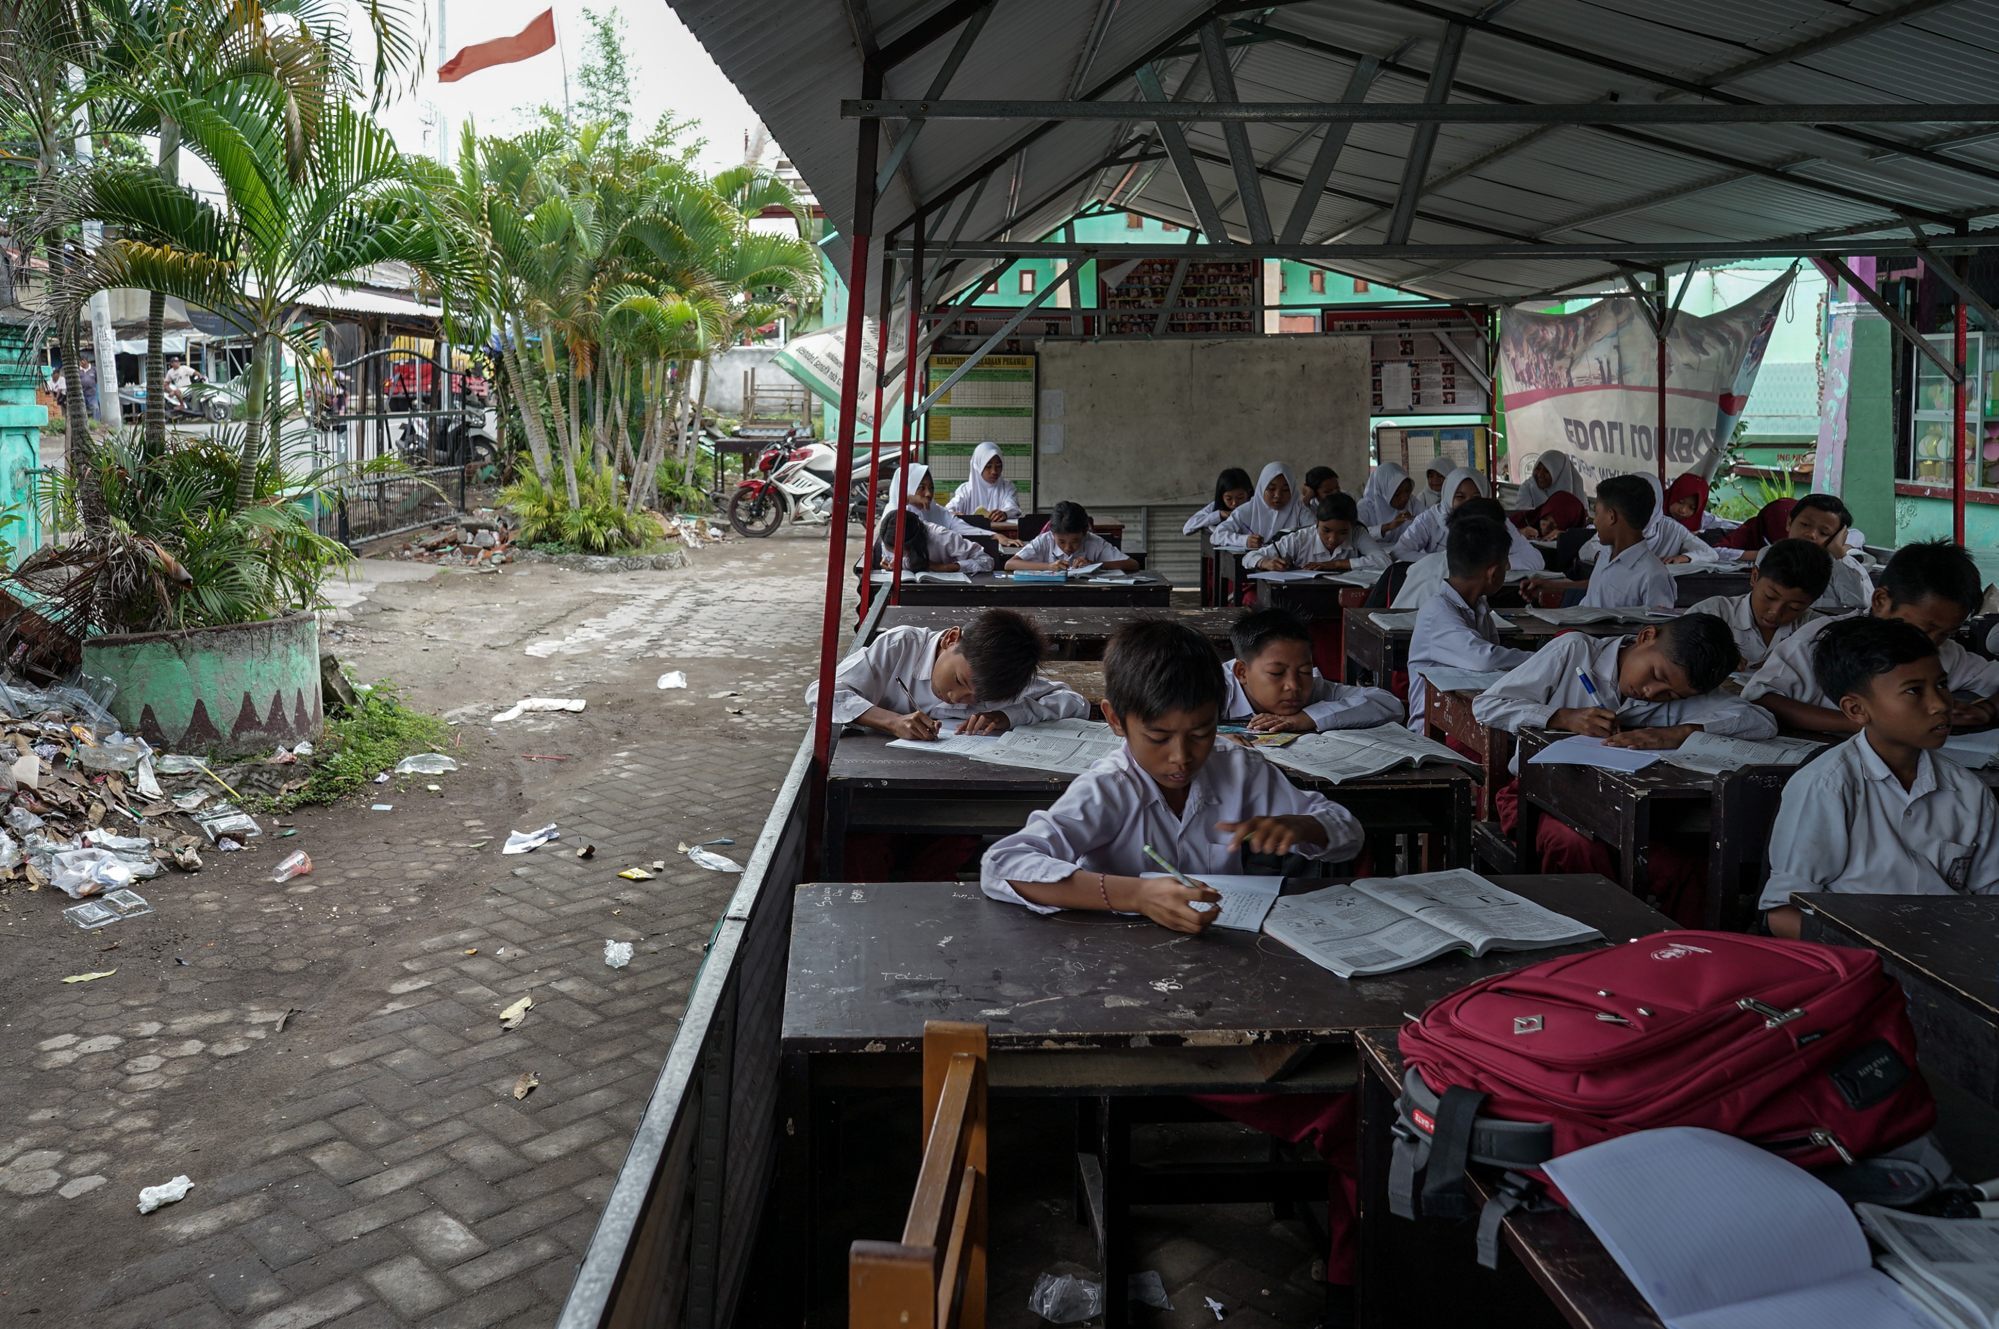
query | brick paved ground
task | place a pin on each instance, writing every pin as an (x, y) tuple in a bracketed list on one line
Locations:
[(368, 1165)]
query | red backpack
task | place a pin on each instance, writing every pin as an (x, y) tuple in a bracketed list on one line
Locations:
[(1803, 1049)]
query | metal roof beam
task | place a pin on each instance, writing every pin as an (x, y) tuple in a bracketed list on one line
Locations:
[(1249, 189), (929, 30), (1006, 330), (1782, 247), (1834, 267), (1328, 156), (1586, 114), (1175, 143), (1424, 140), (959, 50), (1947, 274), (1887, 18)]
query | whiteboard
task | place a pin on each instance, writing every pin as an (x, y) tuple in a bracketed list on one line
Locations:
[(1153, 422)]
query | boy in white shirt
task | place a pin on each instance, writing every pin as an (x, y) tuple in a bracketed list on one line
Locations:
[(1171, 787), (908, 682), (1454, 629), (1884, 813), (1336, 542), (1933, 585), (1629, 574), (1070, 543), (1427, 573), (1789, 576), (1273, 688)]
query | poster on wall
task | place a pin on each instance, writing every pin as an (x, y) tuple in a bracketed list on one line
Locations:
[(993, 402), (1419, 360), (1216, 297), (1587, 384)]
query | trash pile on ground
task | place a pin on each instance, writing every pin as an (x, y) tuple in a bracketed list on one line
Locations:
[(480, 539)]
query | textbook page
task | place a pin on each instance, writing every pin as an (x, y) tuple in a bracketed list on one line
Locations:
[(1353, 934), (1067, 746), (1972, 751), (1399, 621), (1579, 615), (1583, 750), (1716, 1233), (881, 577), (1475, 911), (1339, 755), (1955, 1260), (1294, 575), (1245, 900), (1446, 679), (1717, 754), (976, 746)]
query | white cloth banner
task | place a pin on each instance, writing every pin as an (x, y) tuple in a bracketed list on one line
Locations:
[(817, 359), (1586, 384)]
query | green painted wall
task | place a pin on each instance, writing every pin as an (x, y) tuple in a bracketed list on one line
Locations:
[(1868, 483), (21, 420), (239, 690)]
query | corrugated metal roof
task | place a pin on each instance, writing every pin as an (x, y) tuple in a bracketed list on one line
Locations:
[(1655, 186)]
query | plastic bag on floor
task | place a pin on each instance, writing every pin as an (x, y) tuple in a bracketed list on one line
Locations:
[(1067, 1299), (520, 842), (617, 954), (426, 763), (222, 818), (113, 752), (81, 873), (713, 861)]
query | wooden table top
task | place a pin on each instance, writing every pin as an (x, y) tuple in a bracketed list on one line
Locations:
[(1950, 942)]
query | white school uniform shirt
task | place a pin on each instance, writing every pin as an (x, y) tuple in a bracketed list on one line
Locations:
[(1209, 517), (999, 499), (1421, 497), (1258, 518), (1377, 507), (1303, 546), (1427, 573), (1103, 821), (1847, 826), (1331, 705), (1788, 671), (1043, 549), (1427, 532), (1666, 539), (1634, 578), (945, 547), (1850, 587), (1451, 634), (1734, 610), (893, 672), (1546, 682), (908, 481)]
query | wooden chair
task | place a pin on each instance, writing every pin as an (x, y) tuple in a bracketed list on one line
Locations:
[(935, 1277)]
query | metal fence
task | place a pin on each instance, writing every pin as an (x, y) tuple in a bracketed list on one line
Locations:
[(387, 505)]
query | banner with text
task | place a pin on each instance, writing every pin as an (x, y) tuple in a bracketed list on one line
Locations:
[(1587, 384), (817, 359)]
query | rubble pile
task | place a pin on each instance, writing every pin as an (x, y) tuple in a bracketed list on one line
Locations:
[(480, 539)]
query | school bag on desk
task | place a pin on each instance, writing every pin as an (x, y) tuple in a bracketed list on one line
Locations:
[(1803, 1049)]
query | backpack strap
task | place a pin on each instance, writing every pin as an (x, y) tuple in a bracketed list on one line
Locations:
[(1514, 1192), (1443, 1194)]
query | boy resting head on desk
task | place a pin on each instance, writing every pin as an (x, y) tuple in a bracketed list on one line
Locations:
[(1455, 627), (1932, 586), (1320, 482), (1651, 690), (1883, 813), (1070, 543), (908, 681), (1783, 585), (1274, 689), (926, 548), (1170, 787), (1335, 542)]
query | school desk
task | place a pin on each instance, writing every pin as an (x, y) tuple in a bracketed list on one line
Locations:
[(1320, 604), (1710, 579), (1447, 714), (1375, 653), (1553, 1270), (1626, 810), (1945, 951), (1083, 1005), (1073, 633), (874, 788), (1223, 577), (993, 590)]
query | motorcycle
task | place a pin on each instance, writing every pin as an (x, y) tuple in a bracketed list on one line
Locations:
[(794, 478)]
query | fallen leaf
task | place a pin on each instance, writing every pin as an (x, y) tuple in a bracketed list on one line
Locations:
[(680, 848), (511, 1017), (471, 950), (112, 947), (526, 1084), (587, 851), (636, 874), (90, 978)]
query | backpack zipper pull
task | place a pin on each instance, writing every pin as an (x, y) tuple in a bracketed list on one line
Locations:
[(1608, 1018), (1772, 1017), (1827, 1140)]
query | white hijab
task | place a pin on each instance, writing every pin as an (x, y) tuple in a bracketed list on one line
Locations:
[(909, 479), (998, 497), (1377, 500), (1257, 517), (1458, 477), (1422, 498), (1563, 479)]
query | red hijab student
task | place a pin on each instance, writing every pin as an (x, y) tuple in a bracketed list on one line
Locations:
[(1767, 527), (1686, 502), (1560, 511)]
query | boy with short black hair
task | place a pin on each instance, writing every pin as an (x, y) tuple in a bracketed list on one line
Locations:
[(1321, 482), (1171, 787), (1273, 688), (1933, 585), (1427, 573), (1883, 813), (1629, 574), (1336, 542), (1455, 628), (1786, 580), (909, 681), (1068, 543)]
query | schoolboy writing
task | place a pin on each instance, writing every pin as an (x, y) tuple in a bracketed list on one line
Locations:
[(1069, 542), (910, 681), (1885, 812), (1789, 577), (1455, 627), (1628, 574), (1932, 586), (1170, 787), (1273, 688), (1427, 573), (1335, 542)]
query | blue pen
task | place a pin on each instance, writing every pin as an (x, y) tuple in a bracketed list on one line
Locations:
[(1590, 687)]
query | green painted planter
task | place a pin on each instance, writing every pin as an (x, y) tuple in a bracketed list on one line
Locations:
[(233, 690)]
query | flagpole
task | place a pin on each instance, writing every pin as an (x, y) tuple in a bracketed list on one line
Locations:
[(563, 56)]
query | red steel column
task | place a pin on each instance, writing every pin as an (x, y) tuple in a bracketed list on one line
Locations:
[(875, 441), (1659, 435), (1957, 442), (908, 396)]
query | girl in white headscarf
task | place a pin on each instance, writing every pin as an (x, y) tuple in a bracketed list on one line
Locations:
[(1384, 505), (1425, 535), (918, 492), (986, 493), (1433, 490), (1553, 473), (1275, 509), (1672, 542)]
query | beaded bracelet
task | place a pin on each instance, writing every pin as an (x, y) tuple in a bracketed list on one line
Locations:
[(1103, 889)]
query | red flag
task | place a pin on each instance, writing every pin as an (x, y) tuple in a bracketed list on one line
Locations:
[(536, 37)]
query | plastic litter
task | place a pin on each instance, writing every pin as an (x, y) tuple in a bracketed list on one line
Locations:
[(108, 909), (1067, 1299), (24, 772), (173, 1192), (228, 846), (174, 763), (146, 782), (303, 749), (713, 861), (190, 800), (382, 777), (113, 752), (80, 873), (381, 807), (426, 763), (1216, 1307), (21, 821), (222, 818), (99, 838), (617, 954), (676, 679), (527, 704), (10, 852), (521, 842), (295, 864)]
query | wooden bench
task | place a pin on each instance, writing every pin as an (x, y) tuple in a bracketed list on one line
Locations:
[(935, 1277)]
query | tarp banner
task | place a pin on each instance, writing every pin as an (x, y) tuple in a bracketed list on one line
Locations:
[(1587, 384), (816, 360)]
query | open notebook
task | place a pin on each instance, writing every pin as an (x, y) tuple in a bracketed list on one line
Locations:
[(1716, 1233), (1380, 924), (1339, 755)]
